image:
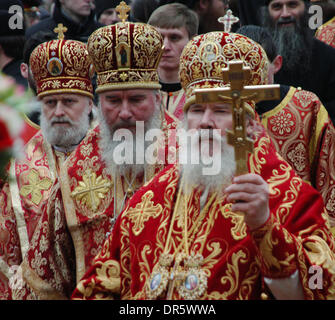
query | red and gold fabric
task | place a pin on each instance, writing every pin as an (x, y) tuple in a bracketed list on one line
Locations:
[(21, 203), (326, 33), (62, 66), (304, 136), (174, 102), (79, 215), (204, 57), (29, 130), (235, 260)]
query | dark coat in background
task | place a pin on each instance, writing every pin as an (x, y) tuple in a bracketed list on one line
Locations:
[(319, 78), (75, 31)]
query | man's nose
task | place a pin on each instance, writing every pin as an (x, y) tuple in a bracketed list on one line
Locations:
[(125, 113), (166, 43), (286, 12), (207, 120), (59, 111)]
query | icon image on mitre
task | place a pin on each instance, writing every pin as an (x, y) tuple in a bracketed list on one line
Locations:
[(55, 67), (123, 56)]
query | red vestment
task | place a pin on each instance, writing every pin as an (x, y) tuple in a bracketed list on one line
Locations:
[(174, 102), (326, 32), (29, 130), (77, 218), (304, 136), (21, 203), (235, 259)]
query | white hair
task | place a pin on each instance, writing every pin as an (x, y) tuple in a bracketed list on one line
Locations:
[(215, 171), (66, 137)]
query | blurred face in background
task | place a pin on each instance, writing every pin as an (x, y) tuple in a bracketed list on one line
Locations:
[(81, 8), (109, 16), (175, 40), (286, 12), (209, 14)]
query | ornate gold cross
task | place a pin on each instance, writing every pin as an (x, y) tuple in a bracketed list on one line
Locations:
[(122, 9), (228, 20), (60, 29), (91, 190), (35, 186), (143, 211), (236, 94)]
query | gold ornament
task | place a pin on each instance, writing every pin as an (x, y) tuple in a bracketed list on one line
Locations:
[(91, 190), (35, 187), (60, 29), (122, 9)]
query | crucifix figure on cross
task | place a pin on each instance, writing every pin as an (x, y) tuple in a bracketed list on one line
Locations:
[(228, 20), (237, 94)]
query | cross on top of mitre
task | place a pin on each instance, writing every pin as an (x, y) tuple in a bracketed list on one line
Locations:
[(122, 9), (228, 20), (60, 29)]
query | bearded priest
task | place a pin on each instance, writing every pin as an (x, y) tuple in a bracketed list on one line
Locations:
[(62, 72), (195, 232), (110, 164)]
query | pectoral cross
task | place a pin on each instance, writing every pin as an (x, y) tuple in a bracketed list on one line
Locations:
[(60, 29), (236, 94), (228, 20), (122, 9)]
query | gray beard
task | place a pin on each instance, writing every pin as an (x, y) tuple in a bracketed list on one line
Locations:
[(108, 146), (65, 138)]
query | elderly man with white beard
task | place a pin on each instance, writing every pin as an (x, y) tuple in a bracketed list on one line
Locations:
[(108, 166), (65, 92), (186, 236)]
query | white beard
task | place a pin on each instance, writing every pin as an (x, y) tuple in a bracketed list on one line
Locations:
[(111, 145), (214, 172), (65, 137)]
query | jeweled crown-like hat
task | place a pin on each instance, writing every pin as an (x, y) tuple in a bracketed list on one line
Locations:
[(126, 54), (62, 66), (204, 57)]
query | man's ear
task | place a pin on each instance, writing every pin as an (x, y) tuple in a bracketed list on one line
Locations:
[(24, 70), (277, 63)]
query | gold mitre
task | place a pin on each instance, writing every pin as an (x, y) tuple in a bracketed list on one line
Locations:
[(205, 56), (126, 55)]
